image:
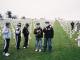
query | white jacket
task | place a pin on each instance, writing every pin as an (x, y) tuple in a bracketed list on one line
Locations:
[(6, 32)]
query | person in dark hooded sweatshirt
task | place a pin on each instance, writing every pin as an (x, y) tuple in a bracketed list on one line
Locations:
[(72, 25), (48, 35), (26, 35), (38, 35)]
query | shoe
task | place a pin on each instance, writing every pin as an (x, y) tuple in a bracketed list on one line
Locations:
[(36, 50), (39, 50), (24, 47), (7, 54)]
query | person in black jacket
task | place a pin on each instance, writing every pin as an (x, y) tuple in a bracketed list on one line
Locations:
[(38, 34), (18, 35), (72, 25), (26, 34), (48, 35)]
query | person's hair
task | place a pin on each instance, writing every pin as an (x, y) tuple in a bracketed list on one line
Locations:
[(27, 25), (7, 24), (19, 24), (37, 23)]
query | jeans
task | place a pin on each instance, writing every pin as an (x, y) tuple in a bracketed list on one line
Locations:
[(47, 44), (18, 40), (38, 43)]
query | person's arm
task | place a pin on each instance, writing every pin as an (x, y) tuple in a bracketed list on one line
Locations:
[(52, 32), (23, 31), (42, 32), (35, 32)]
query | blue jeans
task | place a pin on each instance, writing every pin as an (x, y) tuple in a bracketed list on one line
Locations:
[(38, 43), (47, 44), (18, 40)]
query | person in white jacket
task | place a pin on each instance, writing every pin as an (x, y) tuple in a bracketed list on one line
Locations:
[(6, 36)]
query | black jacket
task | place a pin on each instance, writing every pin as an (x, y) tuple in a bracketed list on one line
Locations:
[(48, 32), (25, 32), (38, 32)]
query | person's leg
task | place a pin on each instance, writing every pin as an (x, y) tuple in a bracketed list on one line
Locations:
[(36, 45), (19, 40), (40, 44), (45, 44), (6, 45), (49, 45), (25, 42)]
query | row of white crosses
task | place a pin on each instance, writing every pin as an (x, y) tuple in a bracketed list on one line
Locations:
[(66, 24)]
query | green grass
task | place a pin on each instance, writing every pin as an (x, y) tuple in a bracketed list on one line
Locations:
[(64, 48)]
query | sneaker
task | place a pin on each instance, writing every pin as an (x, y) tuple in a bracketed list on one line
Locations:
[(39, 50), (24, 47), (36, 50), (7, 54)]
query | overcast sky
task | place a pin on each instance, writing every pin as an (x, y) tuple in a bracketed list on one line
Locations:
[(68, 9)]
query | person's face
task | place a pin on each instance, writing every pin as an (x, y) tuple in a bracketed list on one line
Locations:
[(8, 26), (47, 24), (26, 26), (19, 26), (38, 26)]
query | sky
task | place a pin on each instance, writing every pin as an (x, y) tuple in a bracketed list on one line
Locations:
[(65, 9)]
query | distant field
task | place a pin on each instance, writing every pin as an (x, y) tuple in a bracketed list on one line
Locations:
[(64, 48)]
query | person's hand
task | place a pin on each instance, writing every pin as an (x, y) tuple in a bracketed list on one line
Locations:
[(37, 30)]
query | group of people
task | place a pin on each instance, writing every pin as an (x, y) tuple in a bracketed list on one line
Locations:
[(47, 33), (73, 26)]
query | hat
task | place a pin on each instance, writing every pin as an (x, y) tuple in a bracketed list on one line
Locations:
[(27, 24), (47, 22), (37, 23), (7, 23)]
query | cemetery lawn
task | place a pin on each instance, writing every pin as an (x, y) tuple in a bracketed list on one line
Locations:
[(64, 48)]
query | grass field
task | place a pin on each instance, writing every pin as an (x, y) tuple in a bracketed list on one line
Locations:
[(64, 48)]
